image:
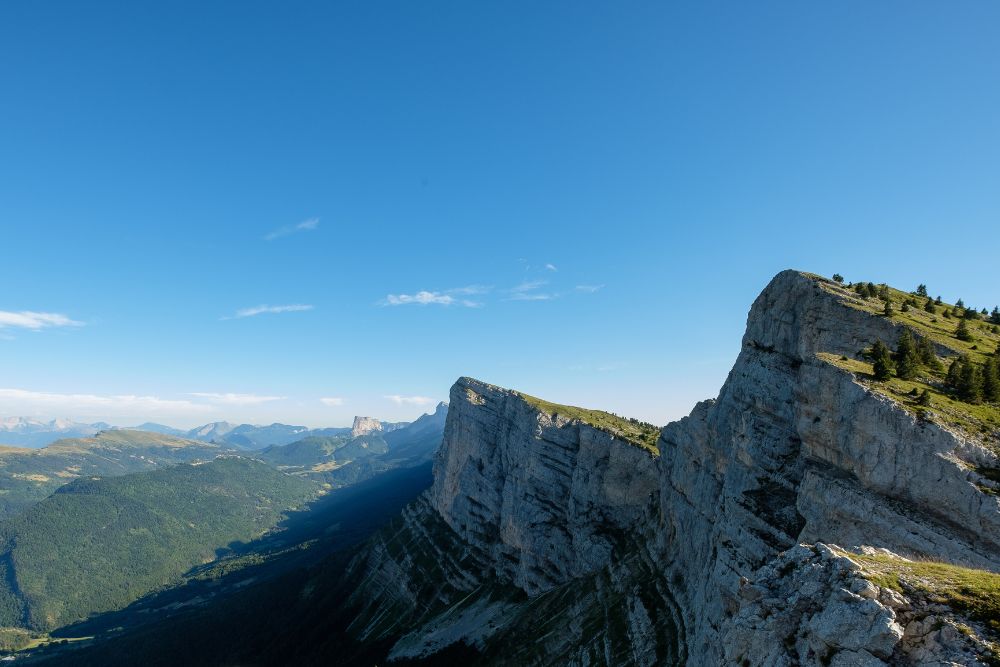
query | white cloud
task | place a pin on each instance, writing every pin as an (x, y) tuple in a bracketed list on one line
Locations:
[(235, 399), (528, 291), (445, 298), (409, 400), (423, 298), (287, 230), (332, 401), (264, 308), (29, 319), (589, 289), (551, 267), (14, 401)]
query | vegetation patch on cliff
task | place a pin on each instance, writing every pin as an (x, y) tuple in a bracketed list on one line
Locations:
[(945, 365), (930, 317), (979, 421), (975, 593), (635, 432)]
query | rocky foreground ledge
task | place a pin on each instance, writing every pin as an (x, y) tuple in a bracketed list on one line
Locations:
[(784, 523)]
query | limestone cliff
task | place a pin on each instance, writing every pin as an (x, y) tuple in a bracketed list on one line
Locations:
[(364, 426), (550, 532), (795, 450)]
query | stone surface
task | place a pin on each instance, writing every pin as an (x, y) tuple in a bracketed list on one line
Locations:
[(716, 553), (364, 426)]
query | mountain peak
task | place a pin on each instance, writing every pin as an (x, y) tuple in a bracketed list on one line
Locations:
[(365, 425)]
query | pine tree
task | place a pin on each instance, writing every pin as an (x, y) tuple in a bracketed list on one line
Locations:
[(963, 333), (883, 292), (921, 290), (970, 314), (995, 315), (991, 378), (906, 357), (887, 310), (881, 361), (960, 304), (925, 399), (970, 387), (837, 278), (954, 378), (871, 291), (929, 307), (947, 314), (905, 308), (937, 301), (928, 357)]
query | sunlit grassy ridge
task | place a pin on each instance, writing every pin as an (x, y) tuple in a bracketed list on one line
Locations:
[(978, 420), (936, 327), (633, 431)]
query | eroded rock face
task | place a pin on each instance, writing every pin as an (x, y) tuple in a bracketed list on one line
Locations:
[(695, 557), (794, 450), (544, 496)]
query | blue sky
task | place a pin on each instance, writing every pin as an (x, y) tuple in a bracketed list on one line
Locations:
[(237, 210)]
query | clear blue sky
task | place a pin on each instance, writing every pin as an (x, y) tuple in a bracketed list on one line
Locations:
[(165, 166)]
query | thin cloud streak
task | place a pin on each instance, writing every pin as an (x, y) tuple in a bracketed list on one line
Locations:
[(264, 308), (332, 401), (32, 320), (528, 291), (234, 399), (22, 400), (307, 225), (589, 289), (444, 298), (410, 400)]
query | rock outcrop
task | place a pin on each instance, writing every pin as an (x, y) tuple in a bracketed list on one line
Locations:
[(364, 426), (795, 450), (714, 553)]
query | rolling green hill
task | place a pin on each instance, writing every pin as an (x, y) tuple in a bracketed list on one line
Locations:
[(29, 475), (98, 544)]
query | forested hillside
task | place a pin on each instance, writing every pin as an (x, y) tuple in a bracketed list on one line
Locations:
[(98, 544), (29, 475)]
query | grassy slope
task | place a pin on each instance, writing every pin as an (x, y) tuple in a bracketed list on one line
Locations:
[(99, 544), (636, 433), (30, 475), (973, 593), (981, 422)]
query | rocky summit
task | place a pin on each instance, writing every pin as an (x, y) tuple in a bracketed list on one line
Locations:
[(364, 426), (803, 517)]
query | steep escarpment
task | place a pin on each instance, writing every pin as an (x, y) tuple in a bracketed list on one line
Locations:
[(797, 450), (742, 543), (525, 545)]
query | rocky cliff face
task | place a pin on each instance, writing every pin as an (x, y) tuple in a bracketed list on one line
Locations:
[(364, 426), (795, 450), (544, 529)]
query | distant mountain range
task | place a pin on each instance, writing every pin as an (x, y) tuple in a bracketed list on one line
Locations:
[(32, 432)]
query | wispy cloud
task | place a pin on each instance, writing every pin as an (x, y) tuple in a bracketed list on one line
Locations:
[(234, 399), (589, 289), (452, 297), (264, 308), (29, 319), (307, 225), (529, 291), (21, 400), (551, 267), (332, 401), (409, 400)]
